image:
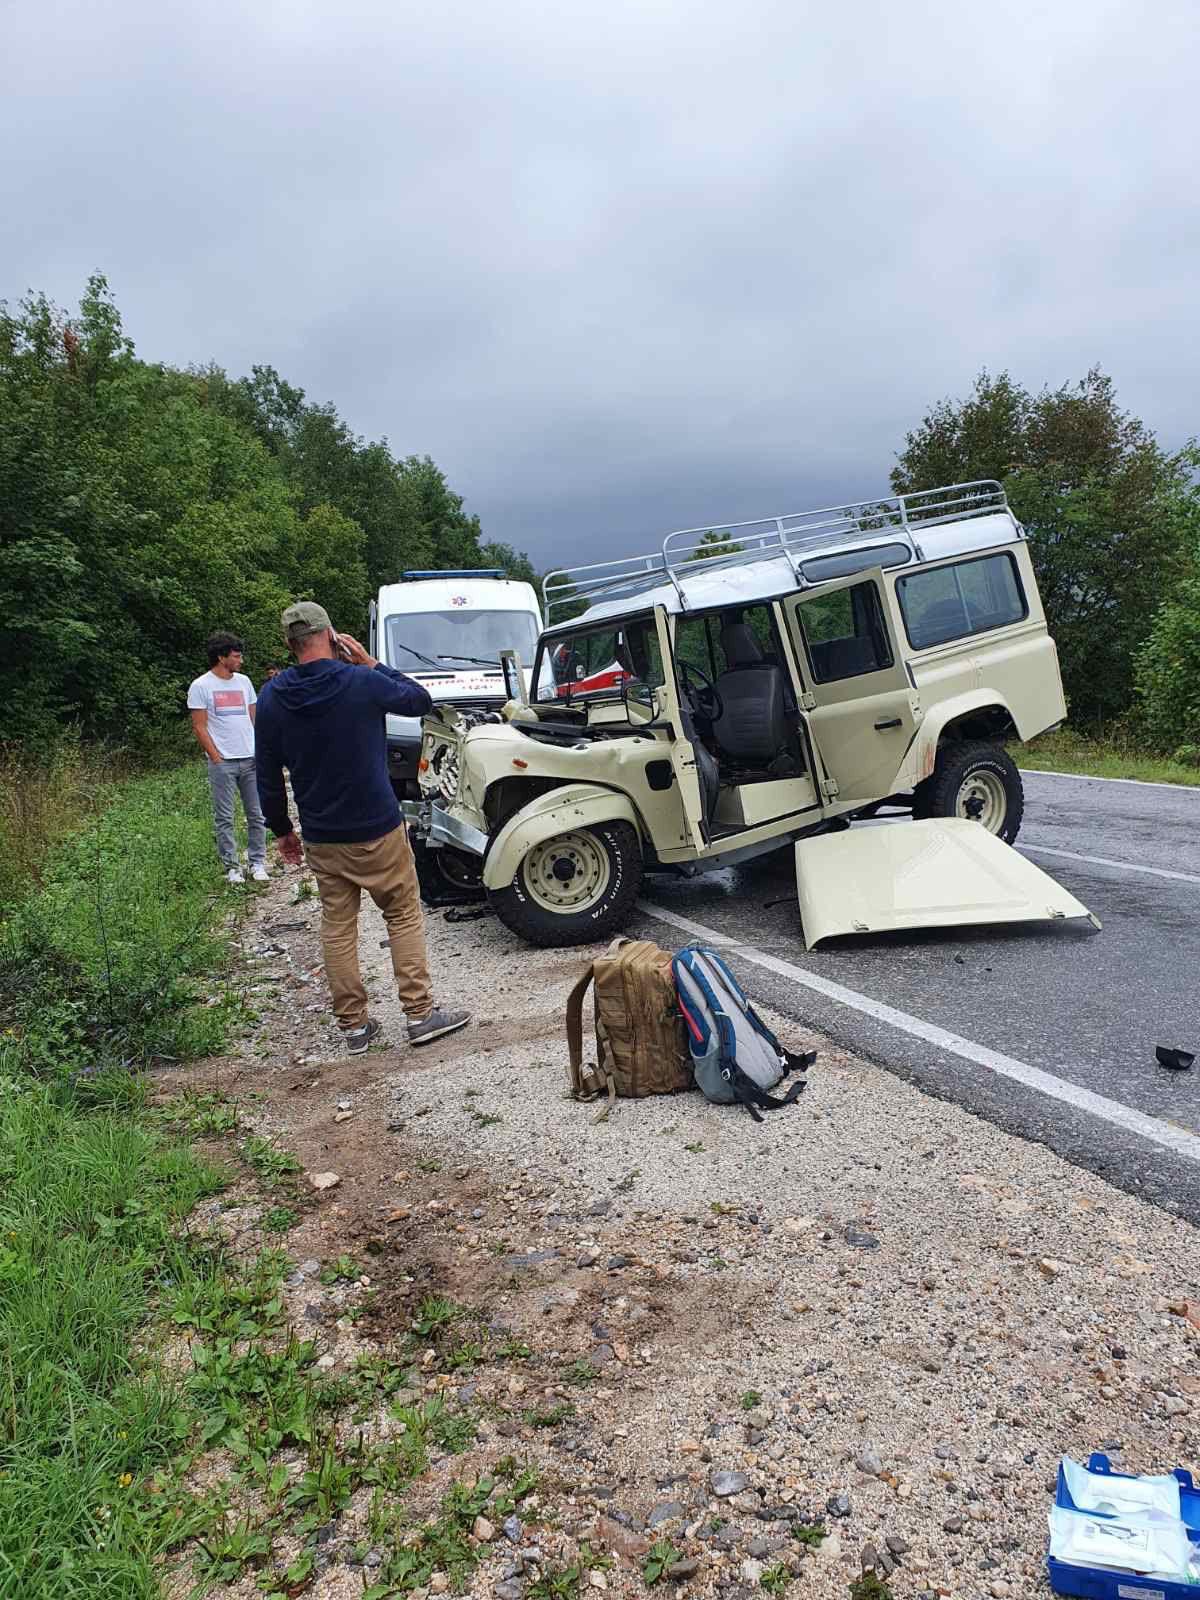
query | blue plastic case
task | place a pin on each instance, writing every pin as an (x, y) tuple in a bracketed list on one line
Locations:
[(1100, 1583)]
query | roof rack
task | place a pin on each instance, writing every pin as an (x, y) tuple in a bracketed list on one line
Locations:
[(690, 551)]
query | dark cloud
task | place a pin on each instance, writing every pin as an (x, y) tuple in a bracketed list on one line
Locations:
[(623, 268)]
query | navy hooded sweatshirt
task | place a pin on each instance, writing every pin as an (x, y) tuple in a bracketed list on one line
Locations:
[(323, 721)]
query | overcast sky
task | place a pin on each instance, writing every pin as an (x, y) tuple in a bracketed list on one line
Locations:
[(620, 267)]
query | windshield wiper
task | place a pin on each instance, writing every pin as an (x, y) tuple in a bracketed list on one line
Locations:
[(428, 660), (476, 661)]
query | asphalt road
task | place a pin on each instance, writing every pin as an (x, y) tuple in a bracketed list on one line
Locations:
[(1048, 1030)]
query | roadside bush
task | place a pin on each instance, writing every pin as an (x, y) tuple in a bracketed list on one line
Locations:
[(103, 964), (1168, 676)]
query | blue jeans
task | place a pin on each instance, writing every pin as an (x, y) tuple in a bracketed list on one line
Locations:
[(223, 778)]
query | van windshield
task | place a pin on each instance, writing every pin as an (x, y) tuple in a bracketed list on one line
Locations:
[(422, 641)]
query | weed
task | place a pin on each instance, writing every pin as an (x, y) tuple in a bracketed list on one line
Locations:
[(255, 1400), (486, 1119), (869, 1587), (279, 1219), (581, 1371), (443, 1545), (551, 1417), (324, 1489), (513, 1350), (466, 1357), (775, 1579), (434, 1314), (695, 1148), (430, 1422), (204, 1115), (231, 1304), (429, 1166), (661, 1555), (270, 1163), (720, 1209), (809, 1534), (343, 1270), (563, 1583), (226, 1555), (750, 1399)]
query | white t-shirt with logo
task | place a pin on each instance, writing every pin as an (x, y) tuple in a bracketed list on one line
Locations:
[(228, 702)]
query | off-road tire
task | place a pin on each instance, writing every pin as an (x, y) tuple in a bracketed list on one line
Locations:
[(448, 877), (536, 923), (940, 794)]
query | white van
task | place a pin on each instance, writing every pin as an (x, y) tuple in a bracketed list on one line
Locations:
[(446, 630)]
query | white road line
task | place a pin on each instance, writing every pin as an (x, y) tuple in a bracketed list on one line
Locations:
[(1177, 1140), (1094, 777), (1107, 861)]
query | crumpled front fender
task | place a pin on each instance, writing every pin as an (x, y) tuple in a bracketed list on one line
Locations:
[(575, 805)]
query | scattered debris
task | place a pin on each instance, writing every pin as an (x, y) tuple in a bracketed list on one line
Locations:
[(1174, 1060), (324, 1180)]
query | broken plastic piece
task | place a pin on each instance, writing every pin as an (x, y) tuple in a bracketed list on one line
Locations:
[(1176, 1060)]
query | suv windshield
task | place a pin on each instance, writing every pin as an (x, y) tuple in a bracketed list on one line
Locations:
[(420, 641), (612, 660)]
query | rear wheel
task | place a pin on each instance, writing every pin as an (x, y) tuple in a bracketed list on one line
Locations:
[(574, 888), (448, 877), (977, 781)]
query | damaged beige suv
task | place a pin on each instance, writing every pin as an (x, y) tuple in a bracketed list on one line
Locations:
[(754, 686)]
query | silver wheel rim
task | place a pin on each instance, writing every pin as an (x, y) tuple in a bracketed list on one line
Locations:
[(983, 798), (552, 887)]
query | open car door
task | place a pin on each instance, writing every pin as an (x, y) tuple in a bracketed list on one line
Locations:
[(946, 872), (862, 707), (693, 818)]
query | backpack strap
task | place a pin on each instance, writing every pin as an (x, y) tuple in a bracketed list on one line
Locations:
[(747, 1093), (591, 1083), (793, 1062)]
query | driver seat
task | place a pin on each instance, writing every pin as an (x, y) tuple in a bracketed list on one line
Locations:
[(754, 726)]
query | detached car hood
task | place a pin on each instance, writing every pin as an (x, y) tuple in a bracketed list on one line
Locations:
[(944, 872)]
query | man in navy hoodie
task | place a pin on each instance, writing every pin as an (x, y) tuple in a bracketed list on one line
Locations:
[(322, 719)]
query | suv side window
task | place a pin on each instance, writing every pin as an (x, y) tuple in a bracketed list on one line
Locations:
[(844, 633), (964, 598)]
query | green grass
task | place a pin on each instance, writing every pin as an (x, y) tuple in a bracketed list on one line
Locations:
[(108, 960), (90, 1205), (1108, 756), (111, 938)]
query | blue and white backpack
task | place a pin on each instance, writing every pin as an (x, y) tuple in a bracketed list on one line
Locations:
[(736, 1059)]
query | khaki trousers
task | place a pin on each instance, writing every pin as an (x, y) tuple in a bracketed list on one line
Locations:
[(385, 868)]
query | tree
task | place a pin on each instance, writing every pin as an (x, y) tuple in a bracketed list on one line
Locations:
[(1108, 513), (715, 542)]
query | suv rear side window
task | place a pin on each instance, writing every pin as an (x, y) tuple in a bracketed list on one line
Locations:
[(844, 633), (968, 597)]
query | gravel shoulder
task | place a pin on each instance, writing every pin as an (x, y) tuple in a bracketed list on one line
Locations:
[(873, 1312)]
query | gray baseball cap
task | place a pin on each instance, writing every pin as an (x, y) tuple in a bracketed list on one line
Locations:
[(306, 616)]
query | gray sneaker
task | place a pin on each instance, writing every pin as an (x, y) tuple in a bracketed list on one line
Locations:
[(358, 1039), (436, 1025)]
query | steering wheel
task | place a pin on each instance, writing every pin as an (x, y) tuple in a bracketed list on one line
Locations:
[(703, 695)]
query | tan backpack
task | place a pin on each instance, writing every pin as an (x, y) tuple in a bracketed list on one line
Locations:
[(641, 1047)]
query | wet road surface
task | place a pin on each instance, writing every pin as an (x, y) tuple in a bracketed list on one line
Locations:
[(1048, 1030)]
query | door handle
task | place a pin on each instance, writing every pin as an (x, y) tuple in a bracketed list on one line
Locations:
[(892, 722)]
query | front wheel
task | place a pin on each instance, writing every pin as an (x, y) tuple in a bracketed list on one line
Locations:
[(977, 781), (574, 888)]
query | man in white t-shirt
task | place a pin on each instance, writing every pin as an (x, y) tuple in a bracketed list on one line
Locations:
[(221, 702)]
